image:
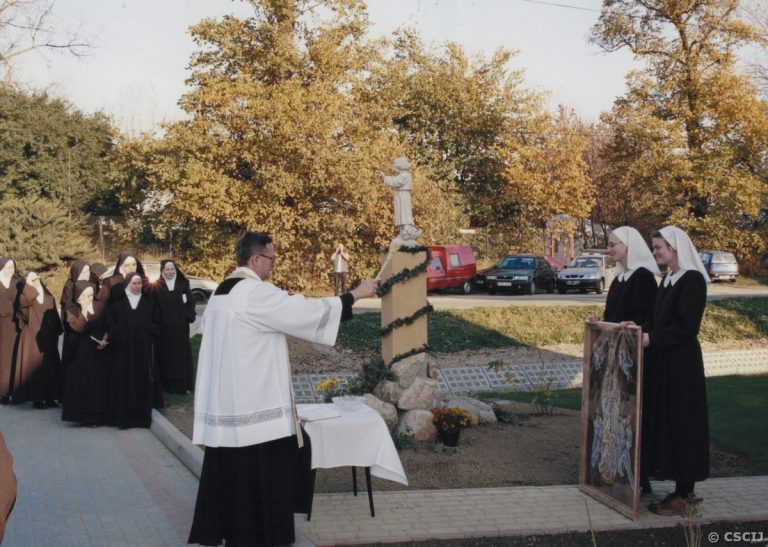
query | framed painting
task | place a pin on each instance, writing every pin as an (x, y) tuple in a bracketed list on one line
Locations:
[(611, 414)]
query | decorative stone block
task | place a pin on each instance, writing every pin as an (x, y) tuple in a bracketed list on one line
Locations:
[(508, 377), (465, 379), (573, 372), (302, 389), (420, 395), (417, 425), (387, 411), (406, 370)]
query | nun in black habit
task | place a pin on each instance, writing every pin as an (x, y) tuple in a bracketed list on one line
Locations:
[(630, 297), (78, 271), (676, 444), (113, 287), (86, 392), (174, 350), (133, 323), (38, 358)]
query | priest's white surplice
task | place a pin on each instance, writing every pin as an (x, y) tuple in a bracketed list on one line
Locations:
[(243, 391)]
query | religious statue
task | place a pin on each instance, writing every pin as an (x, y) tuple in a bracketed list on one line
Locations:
[(403, 184)]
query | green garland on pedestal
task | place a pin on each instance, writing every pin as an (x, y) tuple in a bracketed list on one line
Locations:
[(403, 321), (414, 351), (404, 275)]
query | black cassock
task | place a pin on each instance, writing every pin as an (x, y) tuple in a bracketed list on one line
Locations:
[(631, 300), (676, 436), (86, 388), (132, 332), (174, 351)]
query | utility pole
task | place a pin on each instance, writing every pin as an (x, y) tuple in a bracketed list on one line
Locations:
[(101, 237)]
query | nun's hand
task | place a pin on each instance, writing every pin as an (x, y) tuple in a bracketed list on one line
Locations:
[(34, 280), (593, 318), (646, 340), (627, 324)]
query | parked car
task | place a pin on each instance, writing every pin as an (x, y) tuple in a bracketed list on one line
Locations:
[(202, 288), (720, 265), (451, 267), (521, 273), (592, 272), (557, 266)]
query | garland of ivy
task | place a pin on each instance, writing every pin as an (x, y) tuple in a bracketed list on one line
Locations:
[(403, 321), (407, 354), (404, 275)]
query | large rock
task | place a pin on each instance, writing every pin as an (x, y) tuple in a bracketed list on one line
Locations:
[(387, 411), (408, 369), (417, 425), (482, 412), (389, 391), (421, 394)]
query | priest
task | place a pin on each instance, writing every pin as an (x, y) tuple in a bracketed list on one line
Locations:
[(244, 408)]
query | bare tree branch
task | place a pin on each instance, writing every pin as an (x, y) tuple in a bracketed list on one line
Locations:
[(26, 26)]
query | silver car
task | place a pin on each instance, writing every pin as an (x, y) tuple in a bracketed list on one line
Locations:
[(586, 273)]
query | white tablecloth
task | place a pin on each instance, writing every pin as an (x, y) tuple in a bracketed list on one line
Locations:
[(357, 438)]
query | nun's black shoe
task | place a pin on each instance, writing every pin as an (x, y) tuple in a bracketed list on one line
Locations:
[(38, 405), (5, 400), (645, 487), (50, 403)]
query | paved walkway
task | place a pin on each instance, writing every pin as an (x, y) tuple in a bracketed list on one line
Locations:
[(96, 487), (105, 487)]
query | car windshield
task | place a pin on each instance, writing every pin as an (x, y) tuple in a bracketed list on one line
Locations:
[(518, 263), (705, 257), (724, 258), (586, 263)]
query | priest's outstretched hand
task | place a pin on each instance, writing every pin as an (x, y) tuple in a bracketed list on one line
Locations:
[(365, 289)]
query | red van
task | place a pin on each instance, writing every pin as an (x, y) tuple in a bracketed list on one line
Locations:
[(451, 267)]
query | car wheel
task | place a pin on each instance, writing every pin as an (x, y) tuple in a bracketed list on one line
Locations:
[(199, 296), (467, 287), (600, 287), (491, 291), (561, 291), (551, 288), (532, 287), (733, 280)]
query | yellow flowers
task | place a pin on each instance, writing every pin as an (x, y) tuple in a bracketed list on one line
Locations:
[(332, 387), (451, 418)]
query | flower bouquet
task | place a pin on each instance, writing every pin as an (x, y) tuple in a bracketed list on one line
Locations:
[(449, 422), (332, 387)]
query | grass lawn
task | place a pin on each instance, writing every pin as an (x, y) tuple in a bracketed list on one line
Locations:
[(738, 406), (456, 330), (751, 281)]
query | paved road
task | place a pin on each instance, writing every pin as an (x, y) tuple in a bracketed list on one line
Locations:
[(716, 291)]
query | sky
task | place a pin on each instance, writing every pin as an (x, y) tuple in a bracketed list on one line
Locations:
[(136, 69)]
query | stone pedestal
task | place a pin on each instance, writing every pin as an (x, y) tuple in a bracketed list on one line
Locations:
[(402, 301)]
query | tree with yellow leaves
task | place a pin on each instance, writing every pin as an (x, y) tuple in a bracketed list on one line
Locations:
[(691, 132)]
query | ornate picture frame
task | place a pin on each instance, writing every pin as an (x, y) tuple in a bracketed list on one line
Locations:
[(611, 416)]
